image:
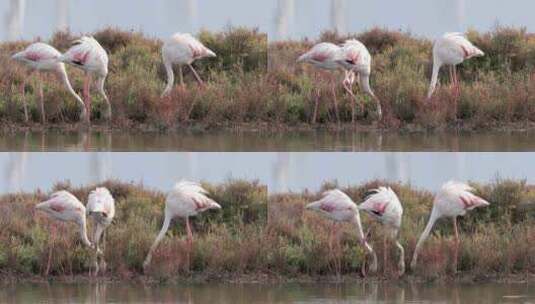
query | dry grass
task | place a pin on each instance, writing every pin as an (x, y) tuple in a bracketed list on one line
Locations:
[(251, 82), (495, 241), (225, 241)]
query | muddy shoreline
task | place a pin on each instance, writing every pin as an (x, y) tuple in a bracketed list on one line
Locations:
[(267, 278)]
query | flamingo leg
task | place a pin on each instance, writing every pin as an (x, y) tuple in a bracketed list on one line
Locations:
[(457, 89), (42, 101), (52, 239), (88, 97), (456, 252), (196, 75), (103, 264), (190, 241), (338, 255), (385, 255), (86, 100), (24, 105), (316, 104), (335, 102)]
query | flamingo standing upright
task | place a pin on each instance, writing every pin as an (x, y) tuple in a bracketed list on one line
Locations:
[(64, 206), (182, 49), (323, 56), (43, 57), (339, 207), (451, 49), (453, 200), (185, 200), (355, 58), (384, 206), (100, 206), (88, 55)]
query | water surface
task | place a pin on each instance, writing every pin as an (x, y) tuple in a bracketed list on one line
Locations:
[(372, 292), (250, 141)]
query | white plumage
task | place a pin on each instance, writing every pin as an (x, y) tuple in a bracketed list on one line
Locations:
[(101, 207), (454, 199), (339, 207), (185, 200), (88, 55), (352, 57), (43, 57), (182, 49), (451, 49), (384, 206), (355, 57), (64, 206), (322, 55)]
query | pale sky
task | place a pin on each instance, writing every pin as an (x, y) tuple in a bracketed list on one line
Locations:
[(280, 171), (279, 18)]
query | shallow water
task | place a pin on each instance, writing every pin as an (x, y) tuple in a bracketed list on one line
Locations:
[(259, 293), (248, 141)]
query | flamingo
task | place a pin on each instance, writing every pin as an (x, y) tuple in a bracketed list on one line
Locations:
[(185, 200), (101, 206), (88, 55), (323, 56), (339, 207), (453, 200), (182, 49), (64, 206), (43, 57), (451, 49), (355, 58), (384, 206)]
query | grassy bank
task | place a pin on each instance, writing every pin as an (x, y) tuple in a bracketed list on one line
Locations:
[(497, 89), (224, 242), (136, 80), (255, 85), (496, 242), (251, 240)]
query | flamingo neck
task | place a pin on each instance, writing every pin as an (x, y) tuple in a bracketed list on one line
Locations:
[(432, 219), (170, 77), (67, 83), (83, 231)]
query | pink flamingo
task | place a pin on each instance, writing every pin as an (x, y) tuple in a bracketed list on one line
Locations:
[(355, 58), (185, 200), (100, 206), (43, 57), (453, 200), (384, 206), (182, 49), (339, 207), (323, 56), (88, 55), (451, 49), (64, 206)]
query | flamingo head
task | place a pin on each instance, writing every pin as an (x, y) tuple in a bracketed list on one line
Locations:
[(215, 205), (210, 53), (17, 56)]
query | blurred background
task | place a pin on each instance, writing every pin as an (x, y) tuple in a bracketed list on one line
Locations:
[(280, 171), (281, 19)]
